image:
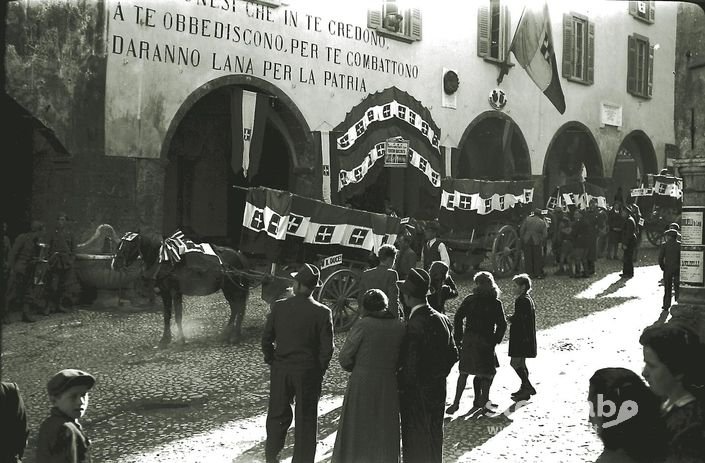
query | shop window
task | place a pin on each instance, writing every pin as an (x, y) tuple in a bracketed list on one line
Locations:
[(493, 31), (640, 66), (643, 11), (398, 23), (578, 48)]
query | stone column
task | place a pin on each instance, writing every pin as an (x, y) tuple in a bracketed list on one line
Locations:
[(690, 308)]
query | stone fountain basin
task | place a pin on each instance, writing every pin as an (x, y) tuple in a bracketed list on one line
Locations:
[(93, 270)]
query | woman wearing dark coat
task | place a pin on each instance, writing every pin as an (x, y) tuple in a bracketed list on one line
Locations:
[(369, 422), (479, 326), (522, 335)]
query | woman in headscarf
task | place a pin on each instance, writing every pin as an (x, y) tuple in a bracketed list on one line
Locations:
[(369, 422)]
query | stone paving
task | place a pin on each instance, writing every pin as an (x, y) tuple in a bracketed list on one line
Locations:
[(206, 401)]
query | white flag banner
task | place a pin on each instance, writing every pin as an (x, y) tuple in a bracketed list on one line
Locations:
[(253, 218), (474, 202), (325, 160), (385, 112), (424, 166), (275, 223), (249, 103), (298, 225), (347, 177), (358, 237), (668, 189)]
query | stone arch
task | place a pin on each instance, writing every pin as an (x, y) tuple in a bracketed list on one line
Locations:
[(201, 192), (635, 159), (573, 155), (493, 132)]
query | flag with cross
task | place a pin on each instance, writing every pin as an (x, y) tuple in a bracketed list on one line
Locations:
[(532, 46), (248, 119), (265, 221)]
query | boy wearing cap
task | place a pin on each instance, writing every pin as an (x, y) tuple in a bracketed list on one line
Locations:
[(669, 260), (61, 438), (298, 345)]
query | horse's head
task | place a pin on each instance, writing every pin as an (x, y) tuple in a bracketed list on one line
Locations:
[(128, 251)]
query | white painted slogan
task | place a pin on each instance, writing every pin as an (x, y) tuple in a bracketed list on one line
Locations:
[(457, 200), (383, 113), (347, 177)]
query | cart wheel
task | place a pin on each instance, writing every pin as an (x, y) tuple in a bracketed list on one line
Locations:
[(339, 292), (654, 234), (459, 267), (505, 251)]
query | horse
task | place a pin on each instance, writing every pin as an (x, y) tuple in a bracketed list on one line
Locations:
[(174, 276)]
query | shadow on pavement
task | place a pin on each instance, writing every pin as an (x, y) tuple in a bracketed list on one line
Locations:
[(613, 288)]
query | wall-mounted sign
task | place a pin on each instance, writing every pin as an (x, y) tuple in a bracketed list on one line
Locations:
[(497, 98), (396, 152), (692, 231), (692, 269), (610, 114)]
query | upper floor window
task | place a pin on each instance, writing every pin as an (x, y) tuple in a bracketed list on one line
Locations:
[(578, 48), (640, 66), (644, 11), (392, 21), (493, 31)]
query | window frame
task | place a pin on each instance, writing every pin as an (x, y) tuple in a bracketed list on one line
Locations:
[(484, 33), (412, 25), (649, 16), (637, 73), (569, 49)]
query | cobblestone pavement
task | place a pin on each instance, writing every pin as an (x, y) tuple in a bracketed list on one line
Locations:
[(206, 401)]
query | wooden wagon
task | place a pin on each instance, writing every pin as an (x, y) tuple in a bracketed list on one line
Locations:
[(660, 202)]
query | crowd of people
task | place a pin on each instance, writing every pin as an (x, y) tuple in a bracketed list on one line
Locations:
[(36, 271)]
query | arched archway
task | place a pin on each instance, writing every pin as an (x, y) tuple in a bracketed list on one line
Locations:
[(635, 159), (201, 191), (572, 156), (493, 147)]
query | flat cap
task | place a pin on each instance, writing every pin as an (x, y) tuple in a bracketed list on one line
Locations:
[(65, 379)]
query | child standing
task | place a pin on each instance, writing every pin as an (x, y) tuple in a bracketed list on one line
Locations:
[(669, 260), (522, 335), (61, 438), (442, 286)]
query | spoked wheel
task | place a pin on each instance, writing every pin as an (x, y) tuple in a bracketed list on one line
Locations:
[(505, 251), (339, 292), (654, 233)]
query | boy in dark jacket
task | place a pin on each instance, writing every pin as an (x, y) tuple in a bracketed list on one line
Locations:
[(522, 335), (61, 437), (669, 260)]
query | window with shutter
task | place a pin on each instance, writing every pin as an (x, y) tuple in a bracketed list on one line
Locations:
[(394, 22), (578, 48), (643, 10), (640, 61), (494, 29)]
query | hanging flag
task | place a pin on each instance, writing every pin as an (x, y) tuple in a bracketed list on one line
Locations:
[(533, 47), (248, 119), (265, 221)]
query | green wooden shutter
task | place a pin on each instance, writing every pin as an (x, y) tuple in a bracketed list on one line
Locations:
[(631, 64), (633, 10), (591, 53), (567, 45), (374, 19), (415, 24), (507, 37), (483, 31), (650, 87), (652, 11)]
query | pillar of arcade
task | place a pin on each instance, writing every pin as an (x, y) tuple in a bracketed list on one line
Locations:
[(690, 309)]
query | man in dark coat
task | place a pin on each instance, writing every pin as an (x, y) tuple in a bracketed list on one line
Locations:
[(592, 218), (669, 259), (22, 261), (628, 244), (61, 257), (427, 358), (14, 422), (382, 277), (533, 233), (302, 331)]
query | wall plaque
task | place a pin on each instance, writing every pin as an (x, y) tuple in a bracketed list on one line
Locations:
[(611, 114)]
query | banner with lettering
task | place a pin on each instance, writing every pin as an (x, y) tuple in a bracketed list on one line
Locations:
[(469, 203)]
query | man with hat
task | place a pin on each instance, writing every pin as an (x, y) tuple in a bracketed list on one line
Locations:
[(669, 259), (434, 249), (629, 238), (428, 357), (61, 437), (302, 331), (533, 233)]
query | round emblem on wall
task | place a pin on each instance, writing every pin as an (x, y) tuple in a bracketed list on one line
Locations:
[(497, 98), (450, 82)]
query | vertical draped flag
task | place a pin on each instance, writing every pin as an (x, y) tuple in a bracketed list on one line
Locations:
[(248, 117), (533, 47)]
